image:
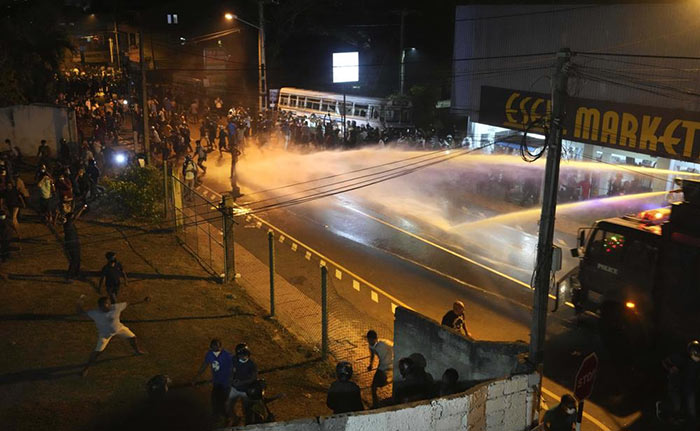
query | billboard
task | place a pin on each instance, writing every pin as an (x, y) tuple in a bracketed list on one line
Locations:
[(659, 132), (346, 67)]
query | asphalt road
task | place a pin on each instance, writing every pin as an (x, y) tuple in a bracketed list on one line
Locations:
[(428, 273)]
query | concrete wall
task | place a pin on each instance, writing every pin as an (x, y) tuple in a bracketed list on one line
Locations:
[(499, 405), (27, 125), (444, 348)]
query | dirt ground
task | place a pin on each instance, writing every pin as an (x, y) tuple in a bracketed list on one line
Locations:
[(44, 342)]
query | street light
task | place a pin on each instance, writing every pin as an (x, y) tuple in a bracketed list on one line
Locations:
[(262, 71)]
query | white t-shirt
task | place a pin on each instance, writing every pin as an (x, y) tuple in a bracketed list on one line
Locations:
[(384, 349), (108, 323)]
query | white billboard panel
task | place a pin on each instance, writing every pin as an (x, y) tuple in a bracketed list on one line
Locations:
[(346, 67)]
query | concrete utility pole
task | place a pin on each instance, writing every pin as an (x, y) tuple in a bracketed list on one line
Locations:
[(549, 207), (144, 101), (262, 69), (116, 44), (229, 244)]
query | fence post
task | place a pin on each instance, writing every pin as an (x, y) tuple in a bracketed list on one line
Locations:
[(324, 311), (271, 249), (229, 261)]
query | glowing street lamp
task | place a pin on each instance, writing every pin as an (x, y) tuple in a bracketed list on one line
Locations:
[(229, 16)]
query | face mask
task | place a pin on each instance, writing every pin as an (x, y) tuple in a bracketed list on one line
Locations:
[(242, 360), (570, 411)]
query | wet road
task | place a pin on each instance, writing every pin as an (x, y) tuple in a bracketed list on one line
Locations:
[(427, 271)]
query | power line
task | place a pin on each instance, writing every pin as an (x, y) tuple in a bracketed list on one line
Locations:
[(619, 54)]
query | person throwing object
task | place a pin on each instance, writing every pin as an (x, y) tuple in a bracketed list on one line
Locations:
[(106, 317)]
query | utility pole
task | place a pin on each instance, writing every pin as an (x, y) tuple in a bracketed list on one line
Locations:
[(116, 43), (402, 53), (547, 218), (229, 244), (262, 69), (144, 100)]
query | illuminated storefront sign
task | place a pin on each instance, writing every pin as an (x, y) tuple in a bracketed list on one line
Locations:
[(659, 132)]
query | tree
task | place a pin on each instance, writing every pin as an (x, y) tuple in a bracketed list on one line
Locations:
[(32, 46)]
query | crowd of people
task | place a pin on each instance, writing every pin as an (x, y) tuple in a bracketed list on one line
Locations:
[(66, 182)]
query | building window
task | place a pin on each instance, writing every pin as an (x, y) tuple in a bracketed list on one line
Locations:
[(172, 18)]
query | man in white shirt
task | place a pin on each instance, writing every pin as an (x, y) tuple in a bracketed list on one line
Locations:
[(106, 317), (384, 351)]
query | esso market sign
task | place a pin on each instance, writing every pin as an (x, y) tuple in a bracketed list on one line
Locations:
[(585, 377)]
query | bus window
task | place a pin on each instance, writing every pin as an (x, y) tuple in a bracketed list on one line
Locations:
[(314, 104), (405, 116), (391, 115), (328, 105), (361, 110), (292, 101), (284, 100), (375, 112)]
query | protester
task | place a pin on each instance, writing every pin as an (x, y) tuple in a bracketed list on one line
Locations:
[(245, 372), (189, 173), (455, 318), (201, 153), (415, 384), (384, 351), (257, 411), (221, 363), (449, 384), (106, 317), (561, 417), (111, 276), (71, 243), (344, 395), (46, 202), (14, 201)]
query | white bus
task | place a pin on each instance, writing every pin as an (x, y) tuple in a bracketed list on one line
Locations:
[(376, 112)]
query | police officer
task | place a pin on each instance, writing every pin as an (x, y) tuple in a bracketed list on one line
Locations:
[(344, 394)]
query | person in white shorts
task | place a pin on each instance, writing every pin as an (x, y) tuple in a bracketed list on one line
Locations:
[(106, 317)]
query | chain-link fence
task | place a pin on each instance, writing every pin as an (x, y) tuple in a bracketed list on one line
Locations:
[(285, 276), (198, 222)]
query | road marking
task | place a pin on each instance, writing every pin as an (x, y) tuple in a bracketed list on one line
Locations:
[(323, 262), (356, 285), (338, 274), (258, 225), (438, 246), (447, 250), (294, 246), (281, 238), (590, 418), (393, 308), (375, 297), (322, 256), (307, 256)]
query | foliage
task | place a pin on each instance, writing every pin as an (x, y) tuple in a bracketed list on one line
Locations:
[(136, 192), (32, 45)]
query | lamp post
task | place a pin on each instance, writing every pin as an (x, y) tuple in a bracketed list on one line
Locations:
[(262, 71)]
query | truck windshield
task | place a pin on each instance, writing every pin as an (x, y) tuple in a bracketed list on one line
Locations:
[(607, 247)]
